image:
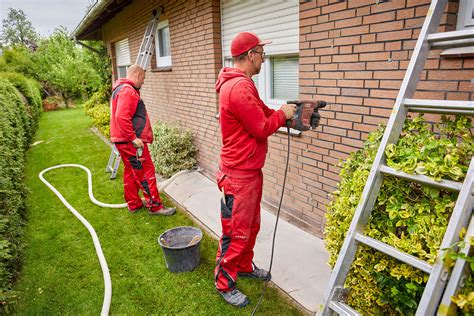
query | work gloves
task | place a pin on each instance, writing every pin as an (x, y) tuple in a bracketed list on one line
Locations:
[(289, 110)]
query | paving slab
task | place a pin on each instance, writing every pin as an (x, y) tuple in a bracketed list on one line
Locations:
[(300, 260)]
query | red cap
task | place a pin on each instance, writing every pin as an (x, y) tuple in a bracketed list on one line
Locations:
[(245, 41)]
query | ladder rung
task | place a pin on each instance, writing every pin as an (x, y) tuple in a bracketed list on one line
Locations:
[(452, 39), (343, 309), (440, 106), (443, 184), (395, 253)]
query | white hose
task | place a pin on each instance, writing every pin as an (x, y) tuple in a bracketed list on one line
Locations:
[(95, 239)]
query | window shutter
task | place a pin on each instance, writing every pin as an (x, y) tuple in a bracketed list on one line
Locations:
[(285, 78), (122, 53)]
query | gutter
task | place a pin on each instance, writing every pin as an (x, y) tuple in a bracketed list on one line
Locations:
[(95, 10)]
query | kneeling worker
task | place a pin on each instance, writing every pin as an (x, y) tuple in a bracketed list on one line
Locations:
[(246, 123)]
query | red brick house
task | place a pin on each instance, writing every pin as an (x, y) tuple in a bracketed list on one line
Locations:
[(352, 54)]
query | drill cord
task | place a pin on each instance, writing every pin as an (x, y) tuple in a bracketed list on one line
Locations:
[(276, 221)]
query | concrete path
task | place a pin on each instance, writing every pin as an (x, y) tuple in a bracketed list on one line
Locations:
[(300, 261)]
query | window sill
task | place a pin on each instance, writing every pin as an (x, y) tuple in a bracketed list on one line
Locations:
[(458, 52), (293, 132), (161, 69)]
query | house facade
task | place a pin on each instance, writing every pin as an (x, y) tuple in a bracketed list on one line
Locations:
[(352, 54)]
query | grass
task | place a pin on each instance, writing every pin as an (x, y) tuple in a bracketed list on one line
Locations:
[(61, 273)]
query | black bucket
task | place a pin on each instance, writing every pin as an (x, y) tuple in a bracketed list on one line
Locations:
[(181, 248)]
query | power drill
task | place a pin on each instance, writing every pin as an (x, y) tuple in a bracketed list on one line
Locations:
[(306, 115)]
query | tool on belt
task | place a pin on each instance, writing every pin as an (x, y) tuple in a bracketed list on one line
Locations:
[(306, 115)]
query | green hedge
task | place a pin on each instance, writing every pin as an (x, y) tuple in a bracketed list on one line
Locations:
[(172, 149), (406, 215), (17, 125), (30, 91)]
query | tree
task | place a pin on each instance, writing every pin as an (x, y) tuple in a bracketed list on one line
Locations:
[(18, 30), (62, 67)]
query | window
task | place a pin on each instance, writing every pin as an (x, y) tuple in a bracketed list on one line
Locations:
[(465, 14), (465, 21), (278, 80), (163, 47), (122, 58), (284, 78)]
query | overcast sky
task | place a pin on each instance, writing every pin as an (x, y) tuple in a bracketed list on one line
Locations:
[(46, 15)]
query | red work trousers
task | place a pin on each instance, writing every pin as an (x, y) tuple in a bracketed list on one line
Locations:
[(240, 219), (139, 174)]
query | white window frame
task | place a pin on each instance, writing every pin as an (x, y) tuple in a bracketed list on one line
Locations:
[(265, 82), (465, 21), (162, 61)]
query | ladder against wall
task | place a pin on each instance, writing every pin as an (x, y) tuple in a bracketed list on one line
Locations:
[(145, 53), (333, 301)]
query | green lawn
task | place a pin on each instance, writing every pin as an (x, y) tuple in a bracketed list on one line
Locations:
[(61, 273)]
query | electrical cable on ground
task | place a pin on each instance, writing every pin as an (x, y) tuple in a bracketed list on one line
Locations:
[(95, 239), (276, 222)]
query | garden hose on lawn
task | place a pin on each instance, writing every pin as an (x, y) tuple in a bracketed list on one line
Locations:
[(95, 239)]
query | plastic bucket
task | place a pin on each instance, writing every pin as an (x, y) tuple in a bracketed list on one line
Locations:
[(181, 248)]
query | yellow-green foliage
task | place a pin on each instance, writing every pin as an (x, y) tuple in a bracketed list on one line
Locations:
[(408, 216), (172, 149), (101, 117), (97, 107)]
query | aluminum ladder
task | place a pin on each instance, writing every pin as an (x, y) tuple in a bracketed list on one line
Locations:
[(333, 300), (458, 275), (143, 58)]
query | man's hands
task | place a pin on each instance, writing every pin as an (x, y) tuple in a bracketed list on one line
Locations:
[(138, 143), (289, 110)]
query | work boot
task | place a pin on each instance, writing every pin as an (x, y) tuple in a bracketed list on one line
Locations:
[(235, 298), (165, 211), (136, 209), (257, 273)]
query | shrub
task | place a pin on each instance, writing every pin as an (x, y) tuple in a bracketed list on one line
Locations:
[(100, 97), (408, 216), (172, 149), (101, 116), (14, 139), (29, 88)]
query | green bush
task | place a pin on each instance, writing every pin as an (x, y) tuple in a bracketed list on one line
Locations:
[(14, 139), (100, 97), (406, 215), (101, 116), (172, 149), (30, 90)]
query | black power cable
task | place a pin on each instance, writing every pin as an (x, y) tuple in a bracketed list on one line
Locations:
[(276, 221)]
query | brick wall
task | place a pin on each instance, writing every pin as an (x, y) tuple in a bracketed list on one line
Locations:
[(354, 54), (186, 94)]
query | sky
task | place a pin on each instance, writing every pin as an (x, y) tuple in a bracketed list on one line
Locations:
[(46, 15)]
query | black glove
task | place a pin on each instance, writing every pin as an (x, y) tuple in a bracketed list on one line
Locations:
[(315, 118)]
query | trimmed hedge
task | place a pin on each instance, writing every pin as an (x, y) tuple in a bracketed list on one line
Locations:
[(406, 215), (30, 91), (20, 111)]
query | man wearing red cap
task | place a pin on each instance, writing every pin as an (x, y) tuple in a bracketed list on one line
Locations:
[(246, 123)]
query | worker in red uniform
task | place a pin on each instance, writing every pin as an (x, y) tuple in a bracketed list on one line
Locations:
[(130, 131), (246, 123)]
